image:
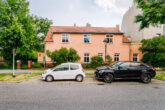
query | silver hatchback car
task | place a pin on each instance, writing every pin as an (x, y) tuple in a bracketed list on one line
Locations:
[(64, 71)]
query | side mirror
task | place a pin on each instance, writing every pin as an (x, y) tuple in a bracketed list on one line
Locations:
[(119, 67)]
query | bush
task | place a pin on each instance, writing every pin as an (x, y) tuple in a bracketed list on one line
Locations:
[(3, 64), (109, 59), (37, 65), (50, 66), (86, 66), (96, 61), (154, 51), (63, 55)]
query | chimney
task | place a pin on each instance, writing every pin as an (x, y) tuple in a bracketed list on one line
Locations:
[(118, 27), (74, 25), (88, 25)]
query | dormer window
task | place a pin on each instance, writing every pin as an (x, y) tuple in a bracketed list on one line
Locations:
[(65, 38), (110, 38)]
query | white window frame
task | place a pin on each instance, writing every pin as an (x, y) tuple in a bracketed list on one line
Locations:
[(136, 56), (88, 35), (115, 57), (65, 35), (101, 55), (85, 56), (110, 37)]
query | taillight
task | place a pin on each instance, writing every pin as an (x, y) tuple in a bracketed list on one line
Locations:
[(153, 69), (83, 71)]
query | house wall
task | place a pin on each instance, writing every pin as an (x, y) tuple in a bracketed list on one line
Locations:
[(96, 46), (40, 56), (135, 50)]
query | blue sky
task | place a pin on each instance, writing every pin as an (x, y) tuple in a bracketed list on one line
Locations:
[(100, 13)]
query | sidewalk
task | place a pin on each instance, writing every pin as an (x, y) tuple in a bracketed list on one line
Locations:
[(33, 71), (40, 71)]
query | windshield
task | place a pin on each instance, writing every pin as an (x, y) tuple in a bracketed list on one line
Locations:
[(116, 65), (55, 67)]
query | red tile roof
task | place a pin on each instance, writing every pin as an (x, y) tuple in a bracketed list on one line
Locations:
[(60, 29), (126, 40), (79, 29)]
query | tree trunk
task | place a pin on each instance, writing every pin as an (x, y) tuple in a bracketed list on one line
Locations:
[(13, 62)]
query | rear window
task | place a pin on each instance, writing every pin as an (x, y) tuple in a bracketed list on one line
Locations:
[(74, 67)]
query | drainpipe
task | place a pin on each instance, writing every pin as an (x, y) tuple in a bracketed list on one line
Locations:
[(130, 51)]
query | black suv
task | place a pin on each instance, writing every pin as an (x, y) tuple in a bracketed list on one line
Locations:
[(126, 70)]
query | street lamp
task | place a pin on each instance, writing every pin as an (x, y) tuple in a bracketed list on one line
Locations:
[(105, 42)]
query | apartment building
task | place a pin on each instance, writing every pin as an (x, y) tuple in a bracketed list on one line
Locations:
[(131, 29)]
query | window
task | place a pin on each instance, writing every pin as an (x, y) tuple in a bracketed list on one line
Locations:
[(135, 57), (62, 68), (110, 38), (74, 67), (86, 58), (87, 38), (117, 57), (65, 38), (100, 54)]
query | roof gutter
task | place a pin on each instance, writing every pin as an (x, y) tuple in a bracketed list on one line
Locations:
[(87, 32)]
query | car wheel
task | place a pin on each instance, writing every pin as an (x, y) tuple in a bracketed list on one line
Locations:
[(79, 78), (108, 78), (49, 78), (146, 78)]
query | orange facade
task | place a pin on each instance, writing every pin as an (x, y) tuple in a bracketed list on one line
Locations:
[(124, 51), (88, 42)]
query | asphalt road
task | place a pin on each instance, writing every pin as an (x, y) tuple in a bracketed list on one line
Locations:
[(80, 96)]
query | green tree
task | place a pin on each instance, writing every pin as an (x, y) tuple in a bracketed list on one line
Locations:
[(109, 59), (154, 51), (17, 30), (63, 55), (96, 61), (42, 26), (153, 12), (17, 26)]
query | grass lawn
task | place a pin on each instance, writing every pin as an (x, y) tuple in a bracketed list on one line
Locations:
[(19, 76), (89, 74), (160, 76)]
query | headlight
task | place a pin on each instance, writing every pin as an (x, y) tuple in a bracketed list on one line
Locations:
[(101, 71), (44, 72)]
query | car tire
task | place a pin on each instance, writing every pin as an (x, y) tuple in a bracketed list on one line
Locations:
[(79, 78), (108, 78), (145, 78), (49, 78)]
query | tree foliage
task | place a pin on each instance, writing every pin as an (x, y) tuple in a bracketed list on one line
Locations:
[(96, 61), (153, 12), (63, 55), (109, 59), (19, 30), (154, 51), (42, 26)]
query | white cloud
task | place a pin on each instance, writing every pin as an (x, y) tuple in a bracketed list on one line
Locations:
[(117, 6)]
